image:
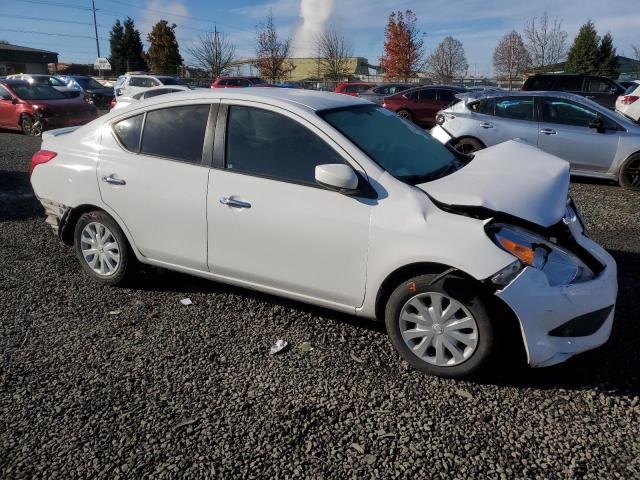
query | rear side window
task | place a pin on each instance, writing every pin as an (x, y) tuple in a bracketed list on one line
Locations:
[(428, 94), (128, 132), (539, 83), (267, 144), (447, 96), (516, 108), (137, 82), (176, 132), (568, 84), (597, 85)]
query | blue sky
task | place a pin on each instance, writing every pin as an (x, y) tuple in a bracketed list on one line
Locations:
[(477, 23)]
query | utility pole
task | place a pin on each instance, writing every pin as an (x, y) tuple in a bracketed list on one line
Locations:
[(95, 26)]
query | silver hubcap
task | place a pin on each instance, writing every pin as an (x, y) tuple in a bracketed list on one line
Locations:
[(100, 249), (438, 329)]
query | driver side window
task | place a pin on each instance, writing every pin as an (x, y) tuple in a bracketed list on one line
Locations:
[(566, 112)]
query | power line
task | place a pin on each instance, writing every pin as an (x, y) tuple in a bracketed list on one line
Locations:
[(56, 4), (53, 20), (31, 32)]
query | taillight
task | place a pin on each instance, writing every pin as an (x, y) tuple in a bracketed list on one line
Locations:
[(40, 157), (112, 103), (629, 99)]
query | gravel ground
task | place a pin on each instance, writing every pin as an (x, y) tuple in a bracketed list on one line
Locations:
[(165, 390)]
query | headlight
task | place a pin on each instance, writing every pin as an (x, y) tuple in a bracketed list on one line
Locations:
[(559, 265)]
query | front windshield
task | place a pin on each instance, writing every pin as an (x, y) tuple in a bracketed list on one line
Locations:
[(404, 150), (171, 81), (87, 83), (37, 92)]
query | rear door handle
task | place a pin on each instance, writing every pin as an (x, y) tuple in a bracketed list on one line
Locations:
[(548, 131), (113, 180), (230, 202), (486, 125)]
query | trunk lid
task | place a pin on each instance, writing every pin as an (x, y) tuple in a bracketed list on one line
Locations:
[(514, 178)]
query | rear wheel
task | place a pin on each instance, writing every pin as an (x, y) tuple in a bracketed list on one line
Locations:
[(405, 114), (630, 173), (467, 145), (102, 249), (440, 327)]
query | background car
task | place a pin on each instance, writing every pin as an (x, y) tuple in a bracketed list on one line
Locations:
[(239, 82), (50, 80), (33, 108), (377, 93), (125, 100), (420, 105), (353, 88), (131, 83), (94, 92), (628, 103), (594, 140), (595, 87)]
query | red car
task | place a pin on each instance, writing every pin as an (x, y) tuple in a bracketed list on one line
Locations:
[(33, 108), (353, 88), (420, 105), (238, 82)]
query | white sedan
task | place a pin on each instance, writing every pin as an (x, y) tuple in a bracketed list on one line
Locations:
[(331, 200), (124, 101)]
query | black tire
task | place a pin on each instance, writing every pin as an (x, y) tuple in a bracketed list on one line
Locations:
[(405, 114), (468, 145), (630, 173), (459, 289), (29, 126), (127, 265)]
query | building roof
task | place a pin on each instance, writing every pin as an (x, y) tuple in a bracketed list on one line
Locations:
[(19, 48)]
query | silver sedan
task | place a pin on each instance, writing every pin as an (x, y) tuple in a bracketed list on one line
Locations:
[(594, 140)]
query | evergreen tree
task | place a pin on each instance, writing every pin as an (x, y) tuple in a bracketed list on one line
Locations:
[(607, 59), (164, 54), (584, 54), (132, 47), (117, 59)]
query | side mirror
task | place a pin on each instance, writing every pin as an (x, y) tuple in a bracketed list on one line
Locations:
[(597, 125), (337, 177)]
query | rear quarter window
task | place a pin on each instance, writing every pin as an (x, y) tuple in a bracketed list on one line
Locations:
[(128, 131), (539, 83)]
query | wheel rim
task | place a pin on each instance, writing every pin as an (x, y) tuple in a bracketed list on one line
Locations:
[(404, 114), (100, 249), (438, 329), (466, 148), (27, 125), (36, 128), (632, 173)]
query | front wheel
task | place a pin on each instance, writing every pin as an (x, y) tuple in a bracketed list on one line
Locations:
[(630, 173), (102, 249), (467, 145), (406, 114), (440, 327), (30, 126)]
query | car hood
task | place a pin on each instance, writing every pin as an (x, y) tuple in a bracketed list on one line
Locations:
[(514, 178)]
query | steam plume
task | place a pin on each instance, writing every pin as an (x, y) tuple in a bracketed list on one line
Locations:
[(314, 14)]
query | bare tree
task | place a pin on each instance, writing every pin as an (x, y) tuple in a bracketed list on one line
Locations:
[(511, 57), (214, 52), (448, 61), (546, 41), (334, 54), (272, 53)]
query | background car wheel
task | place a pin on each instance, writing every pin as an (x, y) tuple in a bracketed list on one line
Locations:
[(30, 126), (441, 328), (102, 249), (467, 145), (630, 173), (405, 114)]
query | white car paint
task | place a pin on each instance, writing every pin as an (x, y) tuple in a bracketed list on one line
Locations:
[(321, 246), (131, 83), (628, 103), (124, 101)]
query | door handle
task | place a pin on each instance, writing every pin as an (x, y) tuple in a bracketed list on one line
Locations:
[(548, 131), (113, 180), (486, 125), (230, 202)]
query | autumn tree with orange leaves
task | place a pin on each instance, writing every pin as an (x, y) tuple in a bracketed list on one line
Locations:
[(403, 47)]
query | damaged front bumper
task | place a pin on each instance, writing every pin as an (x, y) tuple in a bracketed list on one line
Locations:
[(558, 322)]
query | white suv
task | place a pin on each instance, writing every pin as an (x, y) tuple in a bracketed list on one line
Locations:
[(332, 200), (131, 83), (628, 103)]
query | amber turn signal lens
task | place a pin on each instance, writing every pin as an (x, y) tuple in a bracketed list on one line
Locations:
[(524, 253)]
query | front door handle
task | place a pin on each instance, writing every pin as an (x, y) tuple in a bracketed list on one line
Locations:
[(113, 180), (548, 131), (230, 202), (486, 125)]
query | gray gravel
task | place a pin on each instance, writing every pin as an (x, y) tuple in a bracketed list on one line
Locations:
[(166, 390)]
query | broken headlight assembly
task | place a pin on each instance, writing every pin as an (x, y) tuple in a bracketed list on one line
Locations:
[(560, 266)]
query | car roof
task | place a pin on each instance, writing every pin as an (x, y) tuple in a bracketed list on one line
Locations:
[(307, 99), (14, 82)]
